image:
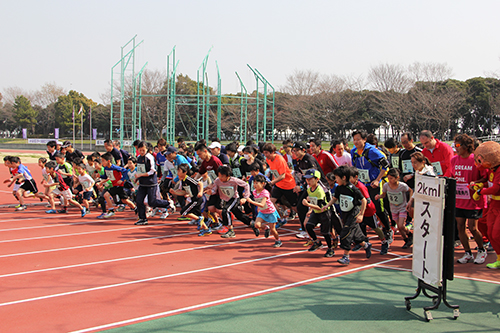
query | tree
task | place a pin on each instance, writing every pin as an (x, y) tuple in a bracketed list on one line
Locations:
[(64, 110), (387, 77), (24, 114)]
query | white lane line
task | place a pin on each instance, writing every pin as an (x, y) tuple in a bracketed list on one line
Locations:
[(89, 232), (47, 217), (147, 279), (102, 244), (133, 257), (229, 299), (61, 224), (457, 276)]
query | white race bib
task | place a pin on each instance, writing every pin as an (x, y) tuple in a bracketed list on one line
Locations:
[(463, 191), (275, 173), (237, 172), (141, 168), (346, 203), (395, 198), (85, 184), (395, 161), (110, 175), (174, 172), (437, 168), (364, 175), (313, 200), (227, 190), (407, 166), (212, 175), (188, 190)]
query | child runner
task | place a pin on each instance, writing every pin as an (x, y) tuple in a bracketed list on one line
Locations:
[(267, 212), (353, 205), (86, 187), (192, 190), (28, 186), (17, 185), (62, 187), (397, 191), (315, 200)]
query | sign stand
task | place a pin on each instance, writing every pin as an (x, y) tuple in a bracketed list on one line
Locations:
[(434, 230)]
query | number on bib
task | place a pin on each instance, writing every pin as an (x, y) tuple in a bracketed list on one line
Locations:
[(227, 191), (463, 192), (364, 175), (407, 166), (313, 200), (437, 168), (237, 172), (275, 173), (212, 175), (141, 168), (110, 175), (346, 203), (395, 161), (395, 198), (188, 191)]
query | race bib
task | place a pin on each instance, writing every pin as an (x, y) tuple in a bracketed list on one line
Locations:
[(85, 184), (313, 200), (395, 161), (346, 203), (364, 175), (463, 192), (110, 175), (437, 168), (227, 191), (212, 175), (237, 172), (275, 173), (407, 166), (395, 198), (188, 190), (174, 172), (141, 168)]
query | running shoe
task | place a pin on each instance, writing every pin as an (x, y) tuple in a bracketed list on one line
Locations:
[(280, 223), (494, 265), (193, 222), (302, 235), (344, 260), (390, 239), (217, 226), (315, 246), (136, 211), (62, 211), (368, 249), (357, 247), (17, 206), (84, 211), (109, 214), (154, 212), (466, 258), (120, 208), (223, 230), (278, 243), (164, 215), (385, 248), (229, 234), (481, 257), (256, 231), (101, 216), (20, 208), (183, 218), (405, 246), (308, 243), (51, 211), (141, 222), (267, 232), (329, 253), (205, 232)]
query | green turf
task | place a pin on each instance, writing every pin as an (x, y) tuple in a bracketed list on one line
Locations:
[(366, 301)]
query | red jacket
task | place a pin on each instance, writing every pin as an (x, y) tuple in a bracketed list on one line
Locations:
[(442, 153)]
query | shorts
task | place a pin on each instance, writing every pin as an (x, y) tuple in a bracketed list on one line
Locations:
[(370, 221), (324, 218), (16, 187), (397, 215), (119, 191), (351, 232), (29, 186), (194, 207), (215, 201), (269, 218), (67, 195), (290, 195), (87, 195), (469, 213)]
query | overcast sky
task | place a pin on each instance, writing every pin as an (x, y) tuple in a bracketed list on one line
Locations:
[(75, 43)]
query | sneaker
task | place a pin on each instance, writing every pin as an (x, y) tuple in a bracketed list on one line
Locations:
[(357, 247), (48, 205), (141, 222), (255, 230), (309, 243), (51, 211), (20, 208), (109, 214), (84, 211), (390, 236), (494, 265), (136, 211), (280, 223), (17, 206), (329, 253), (278, 243), (344, 260), (217, 226), (154, 212), (489, 247), (62, 211), (481, 257), (368, 250), (183, 218), (315, 246), (302, 235), (223, 230), (101, 216), (405, 246), (120, 208), (457, 243), (466, 258), (193, 222), (267, 232), (410, 239), (229, 234), (385, 248), (164, 215), (205, 232)]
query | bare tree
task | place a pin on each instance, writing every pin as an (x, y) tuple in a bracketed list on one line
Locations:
[(47, 94), (387, 77), (302, 83), (429, 72)]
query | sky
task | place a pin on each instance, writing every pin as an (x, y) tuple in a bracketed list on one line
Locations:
[(74, 44)]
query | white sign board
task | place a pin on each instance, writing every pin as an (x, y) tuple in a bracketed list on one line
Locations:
[(126, 143), (428, 229), (40, 141)]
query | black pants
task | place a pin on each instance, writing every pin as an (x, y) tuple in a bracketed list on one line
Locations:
[(301, 209), (232, 207), (153, 193), (381, 212), (326, 226)]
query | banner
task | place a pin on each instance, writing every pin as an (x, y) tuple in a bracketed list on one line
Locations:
[(39, 141), (25, 133), (56, 133), (428, 229), (139, 133), (94, 134), (126, 143)]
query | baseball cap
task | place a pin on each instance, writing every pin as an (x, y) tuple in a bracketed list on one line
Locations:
[(170, 150), (299, 145), (312, 173), (66, 144), (214, 144)]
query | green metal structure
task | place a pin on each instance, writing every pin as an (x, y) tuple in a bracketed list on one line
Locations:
[(212, 107)]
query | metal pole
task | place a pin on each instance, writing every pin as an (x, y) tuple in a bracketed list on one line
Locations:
[(81, 129), (73, 122), (90, 130)]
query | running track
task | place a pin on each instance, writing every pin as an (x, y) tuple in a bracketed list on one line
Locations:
[(64, 273)]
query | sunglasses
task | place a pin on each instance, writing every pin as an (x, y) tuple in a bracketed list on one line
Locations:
[(457, 145)]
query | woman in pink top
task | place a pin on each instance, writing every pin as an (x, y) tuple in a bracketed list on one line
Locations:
[(464, 170)]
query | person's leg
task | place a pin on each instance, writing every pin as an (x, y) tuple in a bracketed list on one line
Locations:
[(381, 213), (464, 239), (141, 207), (478, 237)]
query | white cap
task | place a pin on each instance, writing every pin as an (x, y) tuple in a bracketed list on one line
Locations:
[(214, 144)]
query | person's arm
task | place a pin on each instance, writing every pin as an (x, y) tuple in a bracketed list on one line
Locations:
[(260, 204), (329, 204), (306, 203), (200, 189), (359, 217)]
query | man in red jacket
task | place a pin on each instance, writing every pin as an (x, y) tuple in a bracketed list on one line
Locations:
[(438, 153)]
